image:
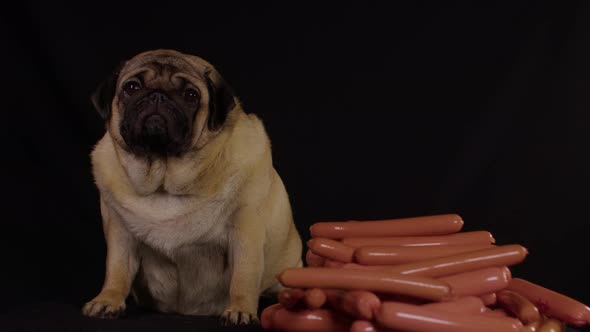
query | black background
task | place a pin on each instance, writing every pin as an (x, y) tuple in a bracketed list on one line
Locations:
[(374, 112)]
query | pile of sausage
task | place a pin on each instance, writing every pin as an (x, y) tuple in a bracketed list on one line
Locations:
[(414, 274)]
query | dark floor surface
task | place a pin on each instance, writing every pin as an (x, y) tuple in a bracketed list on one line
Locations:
[(53, 316)]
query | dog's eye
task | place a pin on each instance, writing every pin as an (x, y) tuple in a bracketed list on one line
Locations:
[(191, 95), (131, 87)]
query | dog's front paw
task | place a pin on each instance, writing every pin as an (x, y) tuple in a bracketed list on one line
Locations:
[(238, 317), (108, 304)]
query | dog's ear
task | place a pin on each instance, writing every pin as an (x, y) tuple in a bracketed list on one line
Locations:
[(104, 94), (221, 99)]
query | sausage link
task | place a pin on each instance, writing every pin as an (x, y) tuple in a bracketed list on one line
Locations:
[(518, 305), (489, 299), (551, 325), (362, 326), (331, 249), (317, 320), (497, 313), (478, 282), (532, 327), (333, 263), (366, 326), (463, 238), (379, 281), (355, 266), (358, 304), (315, 298), (398, 255), (426, 225), (407, 317), (505, 255), (551, 303), (267, 314), (291, 297), (313, 260), (466, 305)]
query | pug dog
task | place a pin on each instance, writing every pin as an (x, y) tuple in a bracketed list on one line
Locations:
[(196, 219)]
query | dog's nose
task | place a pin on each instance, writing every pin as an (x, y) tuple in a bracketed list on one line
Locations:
[(158, 97)]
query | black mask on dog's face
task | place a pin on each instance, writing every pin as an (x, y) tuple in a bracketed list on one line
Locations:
[(158, 101), (159, 112)]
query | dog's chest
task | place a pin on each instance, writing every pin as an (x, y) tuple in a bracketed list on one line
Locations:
[(166, 222)]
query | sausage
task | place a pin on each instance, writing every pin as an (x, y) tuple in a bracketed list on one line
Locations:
[(317, 320), (355, 266), (313, 260), (358, 304), (497, 313), (331, 249), (267, 314), (398, 255), (407, 317), (489, 299), (333, 263), (362, 326), (474, 237), (532, 327), (379, 281), (402, 298), (315, 298), (551, 303), (417, 226), (291, 297), (366, 326), (505, 255), (466, 305), (551, 325), (478, 282), (518, 305)]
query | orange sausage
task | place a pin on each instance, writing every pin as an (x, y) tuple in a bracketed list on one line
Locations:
[(465, 305), (478, 282), (475, 237), (407, 317), (518, 305), (357, 304), (355, 266), (331, 249), (315, 298), (333, 263), (318, 320), (313, 260), (489, 299), (400, 254), (366, 326), (427, 225), (532, 327), (379, 281), (551, 325), (497, 313), (551, 303), (362, 326), (291, 297), (267, 314), (505, 255)]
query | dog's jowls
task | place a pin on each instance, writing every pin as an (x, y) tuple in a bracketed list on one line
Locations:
[(196, 219)]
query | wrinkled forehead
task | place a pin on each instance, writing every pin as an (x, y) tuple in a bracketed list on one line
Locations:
[(170, 66)]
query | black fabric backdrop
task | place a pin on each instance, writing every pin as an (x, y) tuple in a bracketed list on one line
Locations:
[(374, 112)]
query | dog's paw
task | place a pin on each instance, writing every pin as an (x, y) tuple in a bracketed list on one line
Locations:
[(107, 305), (236, 317)]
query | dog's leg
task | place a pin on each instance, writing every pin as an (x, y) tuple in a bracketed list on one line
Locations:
[(247, 259), (121, 267)]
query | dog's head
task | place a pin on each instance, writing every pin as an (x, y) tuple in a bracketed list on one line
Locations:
[(164, 103)]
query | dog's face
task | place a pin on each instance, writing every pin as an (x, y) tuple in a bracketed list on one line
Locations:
[(164, 103)]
